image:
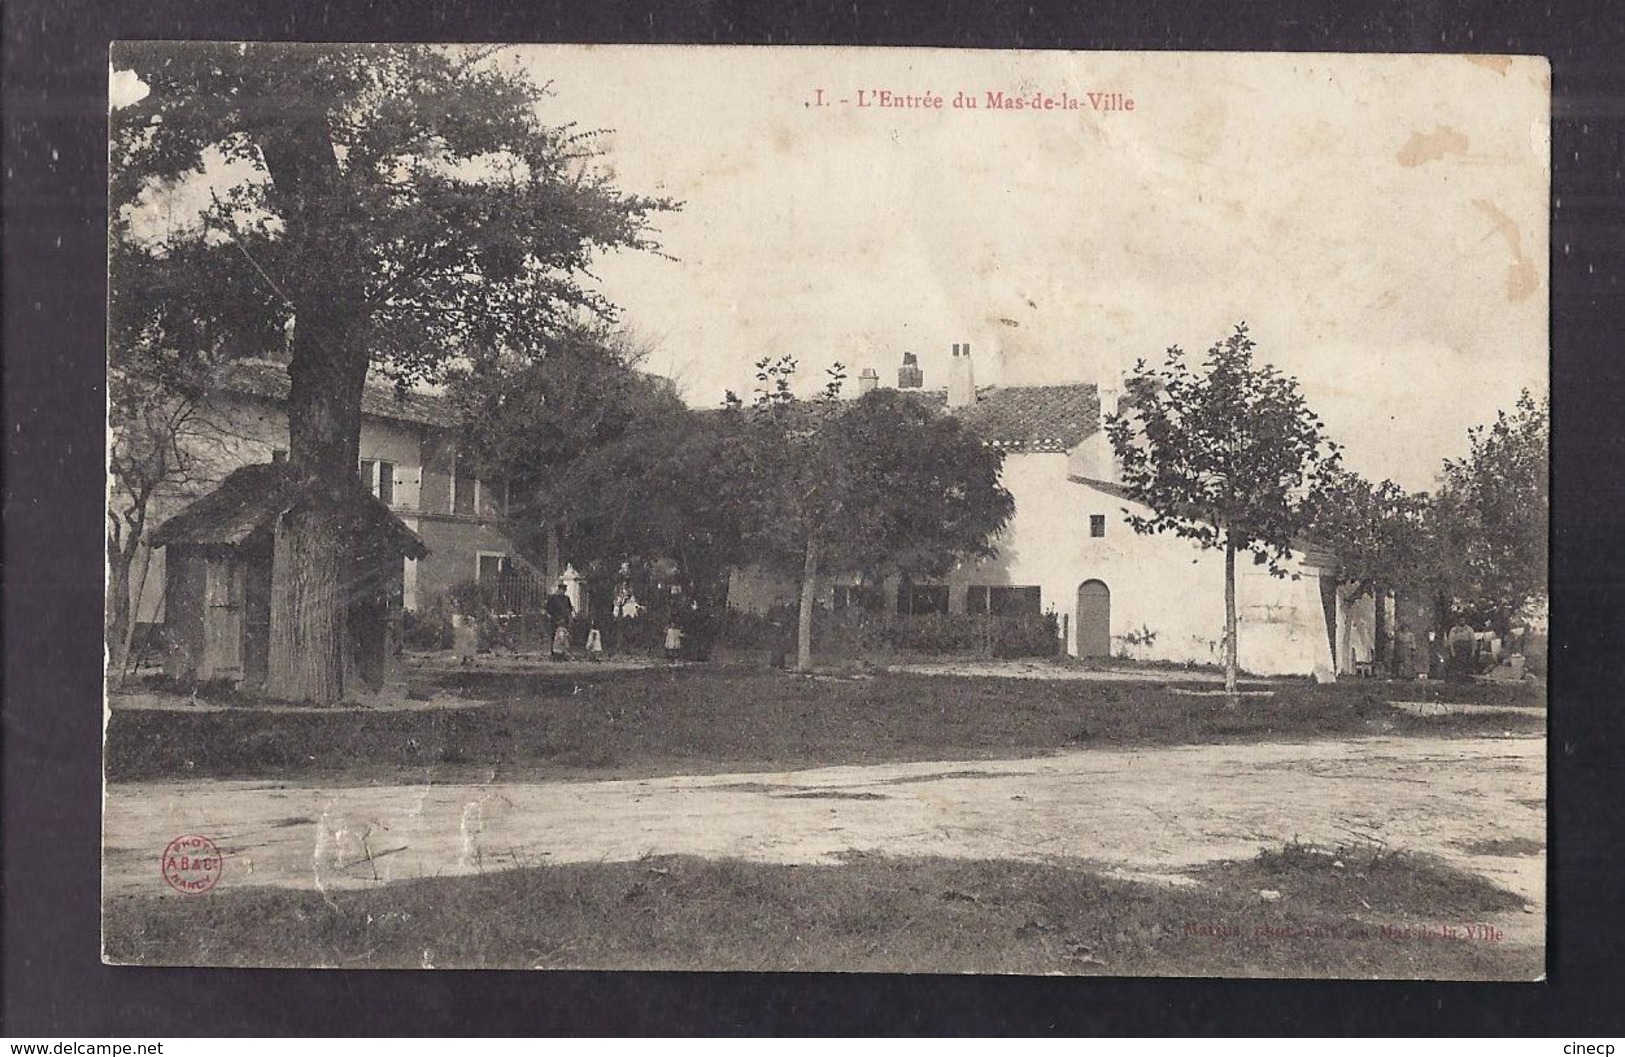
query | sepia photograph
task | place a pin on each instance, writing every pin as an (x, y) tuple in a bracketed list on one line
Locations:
[(809, 509)]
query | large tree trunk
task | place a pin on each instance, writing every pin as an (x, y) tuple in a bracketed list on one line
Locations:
[(308, 628), (809, 594), (311, 561), (1230, 652)]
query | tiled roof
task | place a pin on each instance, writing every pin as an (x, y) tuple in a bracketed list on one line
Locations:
[(1025, 418), (1034, 417), (263, 378), (250, 499), (1031, 418)]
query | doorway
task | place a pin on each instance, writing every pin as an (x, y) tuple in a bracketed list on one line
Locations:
[(1094, 619)]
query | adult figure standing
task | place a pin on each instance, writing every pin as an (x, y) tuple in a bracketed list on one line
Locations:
[(559, 610)]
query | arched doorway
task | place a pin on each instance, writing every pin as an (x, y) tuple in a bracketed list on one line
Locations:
[(1094, 619)]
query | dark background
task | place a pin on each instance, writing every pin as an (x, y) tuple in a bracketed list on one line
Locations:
[(54, 267)]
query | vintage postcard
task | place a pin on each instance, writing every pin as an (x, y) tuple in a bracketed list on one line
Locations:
[(790, 509)]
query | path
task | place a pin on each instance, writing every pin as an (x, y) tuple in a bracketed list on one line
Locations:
[(1049, 670), (1141, 814)]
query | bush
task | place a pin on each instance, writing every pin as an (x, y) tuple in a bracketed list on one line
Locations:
[(428, 628), (1027, 636), (775, 629), (852, 632)]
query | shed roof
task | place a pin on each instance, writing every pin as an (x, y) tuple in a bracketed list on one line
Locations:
[(251, 498)]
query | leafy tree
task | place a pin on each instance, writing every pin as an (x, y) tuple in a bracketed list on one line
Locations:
[(526, 419), (874, 485), (1226, 455), (397, 205), (1492, 514), (167, 329), (1381, 538), (668, 491)]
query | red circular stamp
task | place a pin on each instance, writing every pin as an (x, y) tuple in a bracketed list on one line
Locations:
[(191, 864)]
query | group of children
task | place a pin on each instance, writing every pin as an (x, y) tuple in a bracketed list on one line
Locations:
[(560, 611)]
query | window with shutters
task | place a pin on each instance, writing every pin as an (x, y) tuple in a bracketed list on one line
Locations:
[(379, 477), (385, 488)]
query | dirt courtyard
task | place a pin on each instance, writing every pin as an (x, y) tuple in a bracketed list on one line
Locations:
[(1147, 814)]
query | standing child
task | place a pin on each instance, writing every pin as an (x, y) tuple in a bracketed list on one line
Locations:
[(674, 641)]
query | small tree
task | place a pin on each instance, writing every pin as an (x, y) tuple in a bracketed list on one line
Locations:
[(879, 484), (1226, 456), (161, 443), (1380, 535), (1492, 515), (168, 327)]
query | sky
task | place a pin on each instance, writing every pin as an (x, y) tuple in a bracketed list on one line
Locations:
[(1379, 222)]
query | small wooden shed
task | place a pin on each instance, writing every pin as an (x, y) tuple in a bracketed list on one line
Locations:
[(218, 564)]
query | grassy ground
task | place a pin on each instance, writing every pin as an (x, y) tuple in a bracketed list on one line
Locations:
[(707, 719), (1339, 914)]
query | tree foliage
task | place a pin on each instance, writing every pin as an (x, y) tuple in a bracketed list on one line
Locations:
[(1379, 532), (1224, 454), (527, 419), (802, 487), (602, 460), (1227, 454), (1492, 515), (415, 189), (875, 485), (665, 494)]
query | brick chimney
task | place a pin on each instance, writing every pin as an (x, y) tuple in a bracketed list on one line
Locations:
[(868, 380), (961, 378), (909, 376)]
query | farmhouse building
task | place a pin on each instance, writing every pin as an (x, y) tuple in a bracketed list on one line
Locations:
[(1069, 549), (408, 460)]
